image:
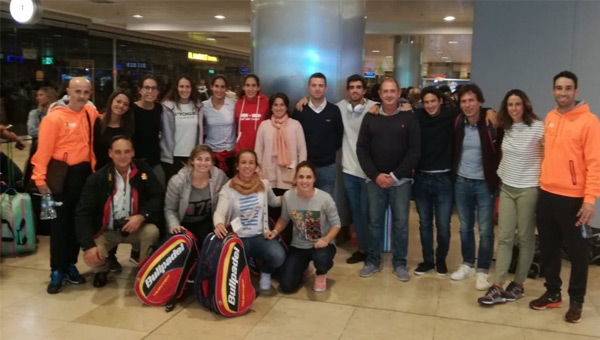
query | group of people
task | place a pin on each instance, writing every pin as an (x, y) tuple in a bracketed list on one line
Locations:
[(225, 165)]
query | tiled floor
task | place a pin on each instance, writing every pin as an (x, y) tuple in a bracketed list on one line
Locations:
[(378, 307)]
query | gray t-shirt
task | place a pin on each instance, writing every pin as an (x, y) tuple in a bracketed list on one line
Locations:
[(312, 218), (199, 206)]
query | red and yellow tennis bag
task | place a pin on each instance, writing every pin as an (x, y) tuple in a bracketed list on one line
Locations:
[(163, 276), (223, 282)]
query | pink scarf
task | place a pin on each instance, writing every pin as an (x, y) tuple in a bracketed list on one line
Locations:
[(281, 149)]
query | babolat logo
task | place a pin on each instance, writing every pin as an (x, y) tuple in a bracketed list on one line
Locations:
[(160, 269), (233, 277)]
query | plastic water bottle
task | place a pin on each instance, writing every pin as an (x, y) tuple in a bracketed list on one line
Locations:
[(48, 212)]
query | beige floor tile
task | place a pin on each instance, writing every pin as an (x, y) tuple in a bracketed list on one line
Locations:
[(76, 331), (299, 319), (367, 323), (73, 302), (164, 337), (552, 320), (448, 329), (529, 334), (420, 295), (20, 327), (126, 311), (18, 284), (197, 322)]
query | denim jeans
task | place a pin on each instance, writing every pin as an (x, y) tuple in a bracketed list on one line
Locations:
[(270, 251), (356, 190), (434, 196), (398, 197), (297, 261), (326, 179), (473, 195)]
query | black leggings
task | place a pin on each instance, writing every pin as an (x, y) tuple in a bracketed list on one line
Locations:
[(297, 261)]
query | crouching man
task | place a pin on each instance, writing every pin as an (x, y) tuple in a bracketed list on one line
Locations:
[(119, 204)]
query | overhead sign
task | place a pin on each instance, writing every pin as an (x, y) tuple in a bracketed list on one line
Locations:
[(202, 57)]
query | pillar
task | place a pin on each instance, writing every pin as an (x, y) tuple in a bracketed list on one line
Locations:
[(408, 50)]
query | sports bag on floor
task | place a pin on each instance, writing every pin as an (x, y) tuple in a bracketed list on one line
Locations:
[(164, 274), (18, 229), (223, 282)]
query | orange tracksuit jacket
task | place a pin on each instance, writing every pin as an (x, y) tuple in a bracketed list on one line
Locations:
[(64, 135), (571, 165)]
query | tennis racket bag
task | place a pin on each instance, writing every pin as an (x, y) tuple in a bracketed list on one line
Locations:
[(223, 282), (164, 274), (18, 229)]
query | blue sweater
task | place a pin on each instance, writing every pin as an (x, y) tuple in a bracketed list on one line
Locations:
[(323, 132)]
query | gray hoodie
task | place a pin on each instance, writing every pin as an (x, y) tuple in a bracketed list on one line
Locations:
[(178, 193)]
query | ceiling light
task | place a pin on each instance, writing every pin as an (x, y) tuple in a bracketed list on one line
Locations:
[(375, 51), (210, 39), (448, 61), (452, 42), (449, 18), (219, 17), (365, 16), (389, 56), (445, 58), (439, 52), (137, 16)]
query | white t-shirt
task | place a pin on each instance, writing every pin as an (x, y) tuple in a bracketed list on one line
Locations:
[(186, 129)]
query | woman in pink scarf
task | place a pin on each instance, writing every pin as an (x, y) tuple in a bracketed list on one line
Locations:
[(280, 146)]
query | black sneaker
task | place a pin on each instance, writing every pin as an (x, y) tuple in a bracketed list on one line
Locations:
[(100, 279), (134, 257), (357, 257), (548, 300), (424, 268), (492, 296), (442, 270), (513, 292), (113, 265), (56, 280), (72, 275), (574, 313)]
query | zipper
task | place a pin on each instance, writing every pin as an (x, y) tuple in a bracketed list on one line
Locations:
[(572, 168)]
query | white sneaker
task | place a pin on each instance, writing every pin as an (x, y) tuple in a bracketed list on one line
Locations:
[(463, 272), (265, 281), (482, 282)]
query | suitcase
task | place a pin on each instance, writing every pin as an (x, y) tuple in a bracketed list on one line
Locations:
[(223, 283), (18, 229), (162, 277)]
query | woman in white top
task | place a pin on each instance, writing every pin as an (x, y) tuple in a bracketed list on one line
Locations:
[(519, 170), (219, 115), (181, 128), (243, 204)]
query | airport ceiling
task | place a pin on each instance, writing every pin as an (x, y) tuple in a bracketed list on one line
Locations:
[(194, 21)]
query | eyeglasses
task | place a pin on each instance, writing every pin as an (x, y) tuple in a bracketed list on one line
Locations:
[(150, 88)]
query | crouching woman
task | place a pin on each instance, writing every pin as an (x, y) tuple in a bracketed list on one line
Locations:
[(316, 223)]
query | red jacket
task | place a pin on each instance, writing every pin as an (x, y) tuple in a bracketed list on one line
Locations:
[(248, 121)]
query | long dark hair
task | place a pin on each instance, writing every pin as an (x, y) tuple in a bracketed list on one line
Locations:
[(283, 97), (255, 77), (173, 94), (126, 120), (504, 119)]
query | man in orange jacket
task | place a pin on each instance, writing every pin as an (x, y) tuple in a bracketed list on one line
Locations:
[(570, 184), (66, 135)]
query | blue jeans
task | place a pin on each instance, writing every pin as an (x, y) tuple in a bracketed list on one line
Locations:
[(398, 197), (473, 195), (270, 251), (356, 190), (326, 179), (434, 194)]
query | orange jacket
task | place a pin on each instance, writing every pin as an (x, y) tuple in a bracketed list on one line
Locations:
[(64, 135), (571, 165)]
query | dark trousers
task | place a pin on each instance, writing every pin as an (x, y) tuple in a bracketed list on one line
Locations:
[(297, 261), (556, 216), (172, 169), (63, 243)]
